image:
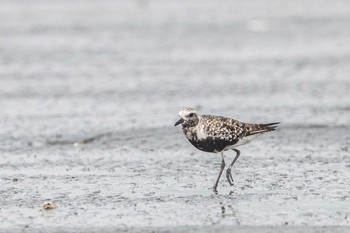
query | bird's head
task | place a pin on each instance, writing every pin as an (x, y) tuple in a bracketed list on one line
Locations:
[(188, 117)]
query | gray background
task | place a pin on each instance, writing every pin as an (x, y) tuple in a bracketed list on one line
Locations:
[(121, 71)]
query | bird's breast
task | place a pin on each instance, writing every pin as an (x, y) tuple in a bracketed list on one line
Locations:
[(211, 144)]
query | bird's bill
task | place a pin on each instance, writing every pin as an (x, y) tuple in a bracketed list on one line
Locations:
[(179, 122)]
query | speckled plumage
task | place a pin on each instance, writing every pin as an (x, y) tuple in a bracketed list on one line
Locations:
[(218, 134)]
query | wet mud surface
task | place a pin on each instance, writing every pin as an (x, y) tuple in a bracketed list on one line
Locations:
[(89, 93)]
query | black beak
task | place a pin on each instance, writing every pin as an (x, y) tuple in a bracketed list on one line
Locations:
[(179, 122)]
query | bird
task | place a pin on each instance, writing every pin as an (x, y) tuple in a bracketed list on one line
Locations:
[(217, 134)]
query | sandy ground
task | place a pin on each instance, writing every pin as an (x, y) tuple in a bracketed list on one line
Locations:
[(119, 71)]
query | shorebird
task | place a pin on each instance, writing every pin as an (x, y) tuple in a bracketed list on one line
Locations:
[(217, 134)]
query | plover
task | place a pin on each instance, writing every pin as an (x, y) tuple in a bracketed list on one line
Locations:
[(217, 134)]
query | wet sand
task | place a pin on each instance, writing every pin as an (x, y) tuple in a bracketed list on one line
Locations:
[(115, 74)]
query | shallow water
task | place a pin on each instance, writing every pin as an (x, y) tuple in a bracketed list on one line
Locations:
[(117, 73)]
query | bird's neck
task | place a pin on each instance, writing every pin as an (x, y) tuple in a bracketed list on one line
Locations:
[(190, 131)]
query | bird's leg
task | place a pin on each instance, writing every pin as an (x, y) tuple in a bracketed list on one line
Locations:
[(228, 171), (221, 169)]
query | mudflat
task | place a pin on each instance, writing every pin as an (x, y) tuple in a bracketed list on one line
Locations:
[(90, 91)]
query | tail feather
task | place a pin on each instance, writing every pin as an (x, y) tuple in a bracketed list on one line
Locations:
[(271, 126), (263, 128)]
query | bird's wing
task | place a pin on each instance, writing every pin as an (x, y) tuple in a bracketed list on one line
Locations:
[(223, 128), (229, 129)]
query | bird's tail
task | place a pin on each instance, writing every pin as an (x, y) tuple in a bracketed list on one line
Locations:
[(263, 128)]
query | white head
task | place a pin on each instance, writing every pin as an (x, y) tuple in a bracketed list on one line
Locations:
[(188, 116)]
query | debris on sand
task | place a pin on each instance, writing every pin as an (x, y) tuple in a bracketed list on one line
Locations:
[(48, 205), (89, 140)]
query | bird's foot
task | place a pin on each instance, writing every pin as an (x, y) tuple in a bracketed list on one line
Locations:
[(229, 176), (215, 190)]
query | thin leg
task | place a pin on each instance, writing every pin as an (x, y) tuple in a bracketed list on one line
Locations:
[(221, 169), (228, 171)]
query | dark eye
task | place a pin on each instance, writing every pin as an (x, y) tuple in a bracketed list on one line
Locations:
[(191, 115)]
